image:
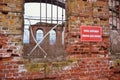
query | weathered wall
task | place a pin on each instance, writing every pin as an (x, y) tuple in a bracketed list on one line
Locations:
[(115, 28), (11, 21), (94, 60), (115, 44), (114, 21), (11, 25), (84, 61)]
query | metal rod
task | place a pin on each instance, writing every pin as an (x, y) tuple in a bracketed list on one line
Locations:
[(44, 19), (116, 13), (57, 12), (42, 39), (46, 12), (119, 16), (62, 13), (45, 53), (51, 11), (40, 11), (112, 15)]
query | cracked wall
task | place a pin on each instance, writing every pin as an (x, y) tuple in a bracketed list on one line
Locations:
[(84, 61)]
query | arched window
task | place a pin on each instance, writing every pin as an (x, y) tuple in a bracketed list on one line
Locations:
[(39, 35), (26, 38), (52, 38)]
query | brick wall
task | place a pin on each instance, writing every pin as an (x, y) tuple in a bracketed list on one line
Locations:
[(84, 61), (94, 60), (11, 25)]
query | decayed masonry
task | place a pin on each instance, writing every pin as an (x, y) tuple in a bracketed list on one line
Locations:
[(84, 60), (93, 55)]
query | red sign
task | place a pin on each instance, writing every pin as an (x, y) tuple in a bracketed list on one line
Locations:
[(91, 33)]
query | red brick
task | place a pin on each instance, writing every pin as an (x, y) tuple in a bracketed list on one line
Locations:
[(2, 74), (1, 1), (9, 66), (15, 74), (9, 75)]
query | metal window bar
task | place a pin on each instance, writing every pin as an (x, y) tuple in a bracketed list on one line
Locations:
[(40, 11), (51, 11), (62, 12), (115, 14), (112, 13), (119, 14), (46, 12), (57, 12)]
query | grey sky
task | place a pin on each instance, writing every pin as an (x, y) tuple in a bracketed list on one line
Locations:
[(33, 9)]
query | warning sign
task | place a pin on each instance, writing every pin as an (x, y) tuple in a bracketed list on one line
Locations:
[(91, 33)]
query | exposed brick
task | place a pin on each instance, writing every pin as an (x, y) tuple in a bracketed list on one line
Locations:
[(88, 52), (86, 60)]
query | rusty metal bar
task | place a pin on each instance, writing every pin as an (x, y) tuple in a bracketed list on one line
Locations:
[(62, 13), (112, 13), (51, 11), (46, 12), (116, 12), (119, 14), (40, 11), (57, 12)]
